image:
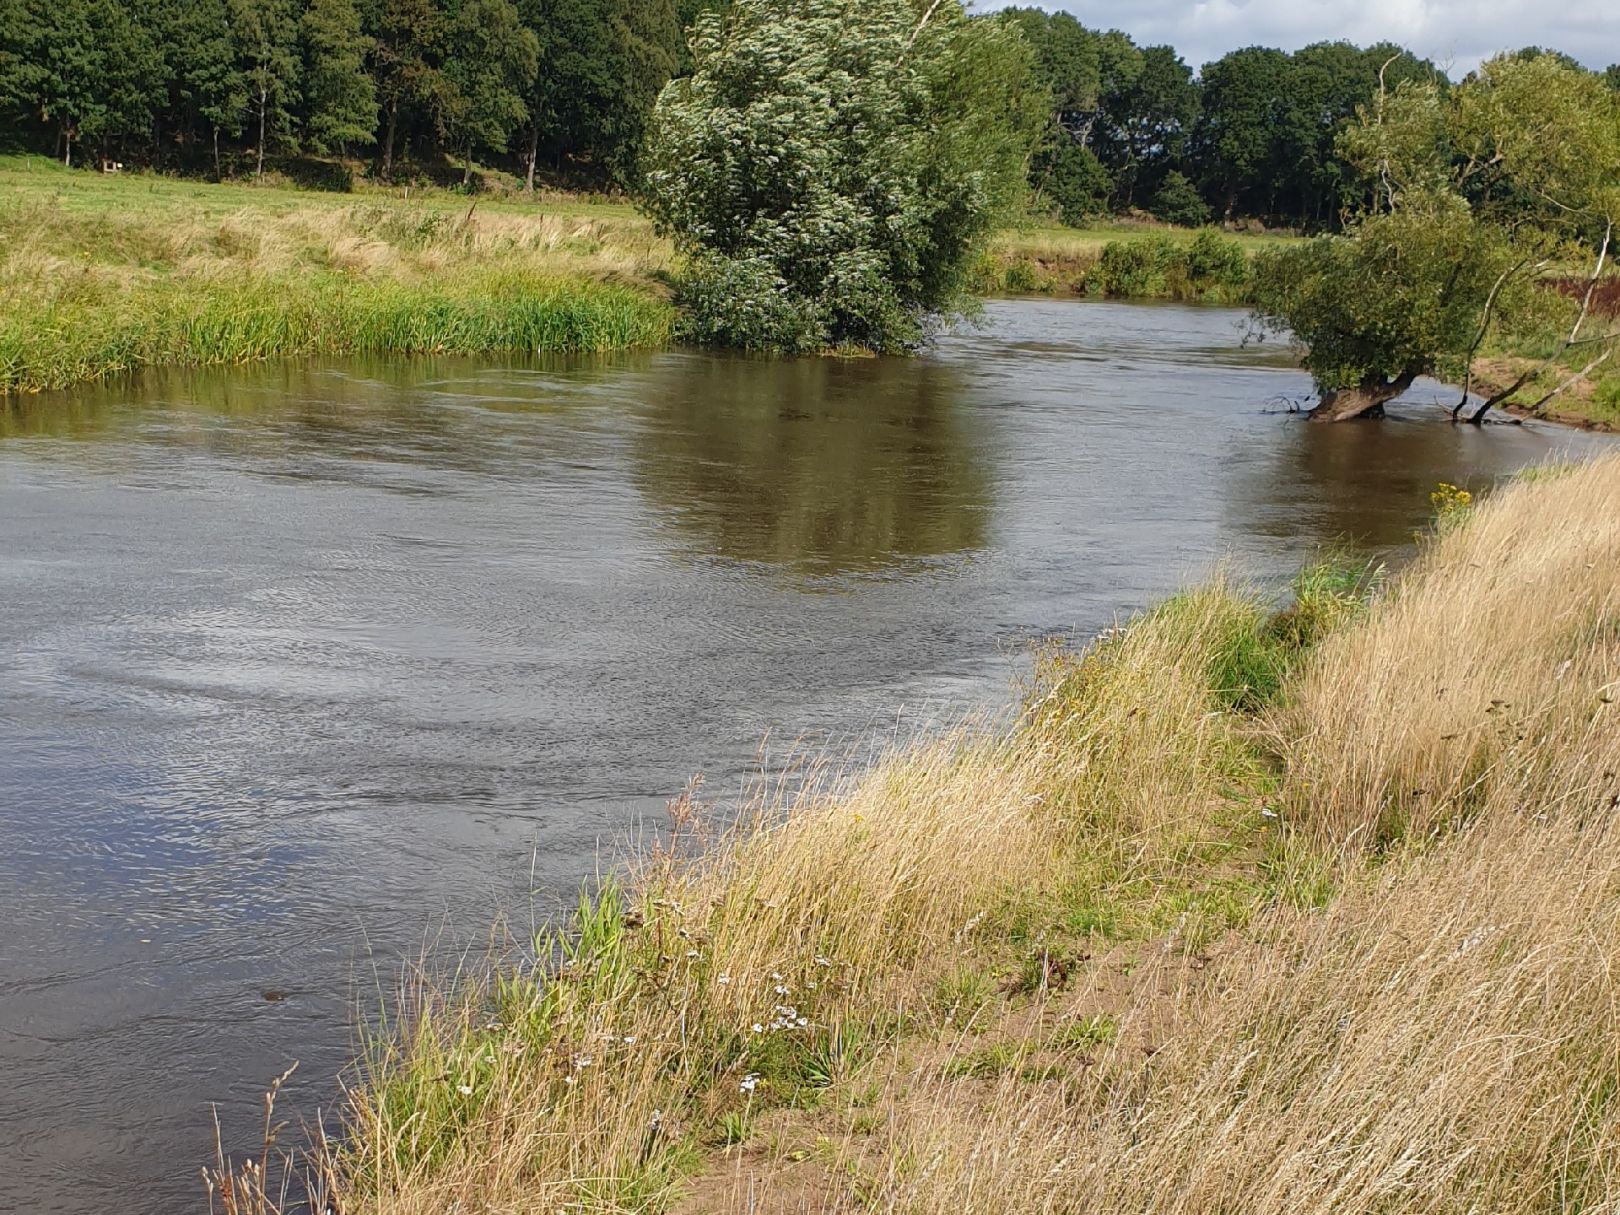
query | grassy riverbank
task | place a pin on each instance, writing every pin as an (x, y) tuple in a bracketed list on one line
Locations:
[(1590, 400), (106, 274), (1306, 912), (102, 275)]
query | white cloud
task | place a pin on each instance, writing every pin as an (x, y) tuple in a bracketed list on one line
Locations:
[(1456, 34)]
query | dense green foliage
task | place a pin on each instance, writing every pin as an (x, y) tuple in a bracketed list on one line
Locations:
[(215, 85), (1254, 135), (1473, 193), (221, 84), (830, 169)]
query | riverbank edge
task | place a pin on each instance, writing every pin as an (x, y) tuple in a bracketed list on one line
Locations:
[(854, 992), (1578, 408)]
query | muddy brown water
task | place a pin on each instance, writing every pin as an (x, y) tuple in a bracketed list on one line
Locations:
[(302, 665)]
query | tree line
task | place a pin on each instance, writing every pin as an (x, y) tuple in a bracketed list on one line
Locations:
[(1254, 134), (215, 85), (188, 84)]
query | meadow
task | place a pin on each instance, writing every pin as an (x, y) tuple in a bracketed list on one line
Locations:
[(108, 274), (1300, 907)]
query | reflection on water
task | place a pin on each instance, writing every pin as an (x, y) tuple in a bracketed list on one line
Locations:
[(296, 661), (823, 465)]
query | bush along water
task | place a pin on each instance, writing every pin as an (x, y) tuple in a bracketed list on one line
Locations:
[(1156, 266)]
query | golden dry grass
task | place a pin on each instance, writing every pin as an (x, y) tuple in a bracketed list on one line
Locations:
[(1181, 937), (1494, 663)]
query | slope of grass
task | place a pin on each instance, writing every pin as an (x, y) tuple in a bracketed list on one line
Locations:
[(1307, 912)]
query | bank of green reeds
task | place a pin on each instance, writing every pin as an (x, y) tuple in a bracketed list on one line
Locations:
[(244, 317), (1305, 911)]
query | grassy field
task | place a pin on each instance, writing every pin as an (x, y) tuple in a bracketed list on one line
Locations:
[(1301, 912), (106, 274)]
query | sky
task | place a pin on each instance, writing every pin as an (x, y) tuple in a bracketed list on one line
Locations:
[(1456, 34)]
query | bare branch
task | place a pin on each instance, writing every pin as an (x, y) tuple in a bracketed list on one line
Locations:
[(1591, 285), (1572, 380), (1491, 402), (1484, 327), (926, 18)]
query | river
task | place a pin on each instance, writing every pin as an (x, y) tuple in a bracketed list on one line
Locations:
[(303, 666)]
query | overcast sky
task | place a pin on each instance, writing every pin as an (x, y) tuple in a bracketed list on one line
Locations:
[(1456, 34)]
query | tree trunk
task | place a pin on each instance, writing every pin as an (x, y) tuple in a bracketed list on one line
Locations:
[(388, 141), (258, 172), (466, 169), (67, 147), (1364, 400), (218, 176), (534, 152)]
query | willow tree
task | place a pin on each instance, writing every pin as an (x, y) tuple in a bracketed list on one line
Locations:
[(1475, 193), (831, 168)]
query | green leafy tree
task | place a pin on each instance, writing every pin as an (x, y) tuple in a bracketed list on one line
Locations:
[(603, 65), (1068, 61), (340, 100), (82, 69), (1177, 201), (491, 58), (1442, 261), (208, 93), (831, 167), (1069, 176), (1400, 297), (1242, 97), (408, 39), (267, 40), (1145, 123)]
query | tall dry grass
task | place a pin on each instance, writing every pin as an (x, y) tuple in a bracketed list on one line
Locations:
[(1493, 662), (1178, 938)]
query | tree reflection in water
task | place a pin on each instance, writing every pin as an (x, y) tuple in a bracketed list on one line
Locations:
[(824, 466)]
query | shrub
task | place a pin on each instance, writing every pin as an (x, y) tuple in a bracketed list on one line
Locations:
[(1137, 267), (1216, 261), (1178, 202)]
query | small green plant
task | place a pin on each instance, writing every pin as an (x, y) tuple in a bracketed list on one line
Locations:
[(1084, 1033), (735, 1127), (986, 1062), (960, 994)]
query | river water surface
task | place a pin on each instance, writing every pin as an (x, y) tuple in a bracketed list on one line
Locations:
[(301, 663)]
